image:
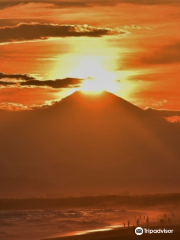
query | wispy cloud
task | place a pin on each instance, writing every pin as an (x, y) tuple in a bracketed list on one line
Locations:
[(8, 106), (84, 3), (165, 55)]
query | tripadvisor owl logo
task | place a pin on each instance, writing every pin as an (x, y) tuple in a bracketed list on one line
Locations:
[(138, 231)]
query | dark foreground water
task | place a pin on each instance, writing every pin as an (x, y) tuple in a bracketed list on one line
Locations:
[(36, 225)]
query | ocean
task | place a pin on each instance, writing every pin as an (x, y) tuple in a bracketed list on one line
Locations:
[(40, 224)]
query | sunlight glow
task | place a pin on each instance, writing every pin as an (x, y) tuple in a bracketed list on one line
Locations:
[(97, 78), (97, 85), (91, 86)]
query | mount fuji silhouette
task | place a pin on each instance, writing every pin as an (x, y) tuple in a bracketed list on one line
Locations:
[(93, 103), (98, 142)]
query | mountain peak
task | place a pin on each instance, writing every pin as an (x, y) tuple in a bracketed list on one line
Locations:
[(100, 101), (90, 95)]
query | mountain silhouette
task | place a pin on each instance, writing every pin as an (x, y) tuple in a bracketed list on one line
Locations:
[(99, 102), (92, 138), (93, 104)]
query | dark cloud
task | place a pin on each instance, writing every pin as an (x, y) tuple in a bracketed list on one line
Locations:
[(5, 4), (12, 22), (59, 83), (85, 3), (162, 113), (6, 83), (37, 31), (166, 55), (16, 76), (149, 2), (58, 4), (28, 81)]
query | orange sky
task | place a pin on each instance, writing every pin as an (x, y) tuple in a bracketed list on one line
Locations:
[(130, 47)]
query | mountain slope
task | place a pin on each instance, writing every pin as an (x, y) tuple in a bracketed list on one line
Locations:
[(99, 136)]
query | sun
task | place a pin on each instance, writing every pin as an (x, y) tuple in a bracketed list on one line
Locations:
[(91, 86), (98, 85), (97, 77)]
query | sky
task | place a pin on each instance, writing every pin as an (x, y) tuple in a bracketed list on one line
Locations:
[(49, 49)]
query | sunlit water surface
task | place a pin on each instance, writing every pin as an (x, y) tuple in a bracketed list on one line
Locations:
[(36, 225)]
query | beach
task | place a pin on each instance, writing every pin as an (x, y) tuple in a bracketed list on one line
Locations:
[(125, 234)]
